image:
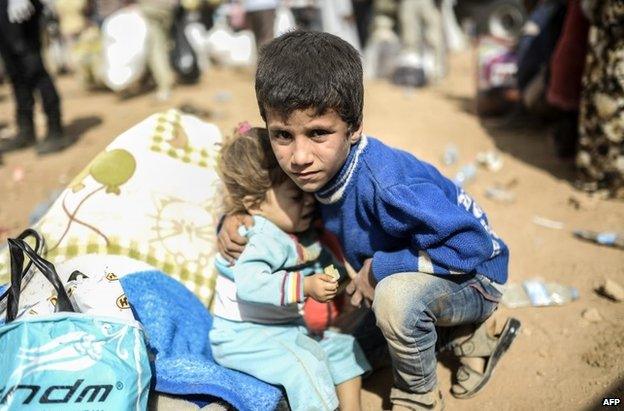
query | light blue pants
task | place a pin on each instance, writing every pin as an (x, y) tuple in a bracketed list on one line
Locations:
[(308, 368)]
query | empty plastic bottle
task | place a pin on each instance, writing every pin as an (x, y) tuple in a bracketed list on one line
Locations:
[(538, 293), (605, 238), (465, 174), (450, 155)]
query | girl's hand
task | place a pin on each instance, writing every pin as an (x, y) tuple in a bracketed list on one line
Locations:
[(321, 287)]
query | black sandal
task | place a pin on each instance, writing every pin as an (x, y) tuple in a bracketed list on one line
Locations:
[(480, 344)]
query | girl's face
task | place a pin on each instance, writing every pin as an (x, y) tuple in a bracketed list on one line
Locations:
[(288, 207)]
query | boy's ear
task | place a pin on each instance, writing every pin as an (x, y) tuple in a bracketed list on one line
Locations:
[(356, 134)]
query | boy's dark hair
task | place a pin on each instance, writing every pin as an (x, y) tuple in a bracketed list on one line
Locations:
[(308, 69)]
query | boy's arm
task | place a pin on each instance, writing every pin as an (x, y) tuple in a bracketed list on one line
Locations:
[(230, 243), (259, 276), (457, 238)]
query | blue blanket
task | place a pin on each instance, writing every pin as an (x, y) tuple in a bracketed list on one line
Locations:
[(177, 325)]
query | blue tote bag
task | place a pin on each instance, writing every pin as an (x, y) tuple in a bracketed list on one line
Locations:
[(68, 360)]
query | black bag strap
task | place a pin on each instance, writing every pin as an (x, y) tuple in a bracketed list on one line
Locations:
[(39, 246), (18, 248)]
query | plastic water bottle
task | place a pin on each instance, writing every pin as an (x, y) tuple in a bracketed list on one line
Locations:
[(604, 238), (537, 293), (465, 174), (450, 155)]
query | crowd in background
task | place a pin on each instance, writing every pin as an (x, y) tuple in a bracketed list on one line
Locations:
[(568, 71), (566, 66)]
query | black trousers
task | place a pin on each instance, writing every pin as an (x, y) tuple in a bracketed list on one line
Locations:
[(20, 48)]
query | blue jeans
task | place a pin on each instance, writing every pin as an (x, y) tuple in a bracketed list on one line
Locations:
[(418, 312)]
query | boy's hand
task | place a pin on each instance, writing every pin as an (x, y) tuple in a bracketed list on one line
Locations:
[(231, 244), (321, 287), (363, 285)]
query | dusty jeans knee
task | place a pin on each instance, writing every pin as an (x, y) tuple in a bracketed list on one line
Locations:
[(410, 307)]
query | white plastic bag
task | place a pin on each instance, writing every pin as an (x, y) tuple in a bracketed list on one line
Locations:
[(284, 21), (99, 295), (197, 36), (124, 45), (231, 49)]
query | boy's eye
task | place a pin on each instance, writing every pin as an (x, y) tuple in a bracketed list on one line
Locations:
[(319, 132), (280, 135)]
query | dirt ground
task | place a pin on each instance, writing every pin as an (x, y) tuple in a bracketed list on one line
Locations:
[(560, 361)]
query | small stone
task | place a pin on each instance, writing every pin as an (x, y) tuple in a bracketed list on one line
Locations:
[(611, 290), (542, 353), (592, 315), (540, 373), (583, 202)]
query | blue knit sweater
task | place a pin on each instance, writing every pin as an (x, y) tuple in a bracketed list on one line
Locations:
[(386, 204)]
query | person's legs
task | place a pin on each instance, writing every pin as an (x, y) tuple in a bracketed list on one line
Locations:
[(159, 23), (346, 363), (432, 19), (350, 394), (261, 23), (21, 42), (411, 30), (308, 18), (39, 79), (408, 308), (12, 45), (363, 11), (280, 355)]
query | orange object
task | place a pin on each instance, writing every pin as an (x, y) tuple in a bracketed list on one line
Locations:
[(319, 316)]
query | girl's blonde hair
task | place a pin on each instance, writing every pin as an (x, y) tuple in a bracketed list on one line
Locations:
[(248, 167)]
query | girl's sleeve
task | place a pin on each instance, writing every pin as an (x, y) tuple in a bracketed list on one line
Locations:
[(259, 274)]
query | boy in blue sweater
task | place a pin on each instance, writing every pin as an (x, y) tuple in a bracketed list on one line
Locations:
[(424, 251)]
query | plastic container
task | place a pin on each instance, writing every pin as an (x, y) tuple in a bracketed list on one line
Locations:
[(465, 175), (537, 293), (604, 238), (450, 156)]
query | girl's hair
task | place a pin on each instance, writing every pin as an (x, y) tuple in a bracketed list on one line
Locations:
[(248, 167)]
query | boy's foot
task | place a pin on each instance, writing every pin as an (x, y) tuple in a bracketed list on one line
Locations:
[(409, 401), (479, 354)]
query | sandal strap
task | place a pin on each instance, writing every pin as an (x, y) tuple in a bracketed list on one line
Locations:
[(467, 378), (480, 344)]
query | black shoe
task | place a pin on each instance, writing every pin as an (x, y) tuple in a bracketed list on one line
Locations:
[(54, 142), (24, 139)]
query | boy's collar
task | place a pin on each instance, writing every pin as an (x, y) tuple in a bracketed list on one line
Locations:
[(335, 188)]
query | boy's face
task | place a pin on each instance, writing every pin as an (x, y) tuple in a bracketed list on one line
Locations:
[(310, 148)]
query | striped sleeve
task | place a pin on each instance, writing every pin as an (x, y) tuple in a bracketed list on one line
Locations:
[(260, 276), (292, 288)]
